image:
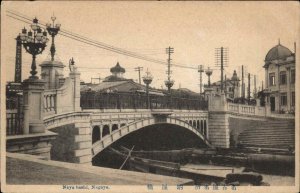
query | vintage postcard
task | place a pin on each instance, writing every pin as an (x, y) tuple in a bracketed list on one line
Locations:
[(145, 96)]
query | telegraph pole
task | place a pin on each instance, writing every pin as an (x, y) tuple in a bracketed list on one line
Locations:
[(222, 68), (18, 67), (255, 85), (169, 83), (248, 87), (225, 87), (200, 70), (243, 85), (138, 69), (221, 59)]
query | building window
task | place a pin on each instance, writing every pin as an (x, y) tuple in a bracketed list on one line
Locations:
[(293, 76), (283, 77), (293, 98), (283, 99), (272, 79)]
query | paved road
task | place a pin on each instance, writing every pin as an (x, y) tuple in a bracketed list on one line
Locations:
[(28, 170)]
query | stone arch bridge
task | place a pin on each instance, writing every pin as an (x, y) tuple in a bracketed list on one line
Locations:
[(82, 135), (53, 122)]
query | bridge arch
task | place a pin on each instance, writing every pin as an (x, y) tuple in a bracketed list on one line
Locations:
[(96, 134), (198, 124), (114, 127), (107, 140), (105, 131)]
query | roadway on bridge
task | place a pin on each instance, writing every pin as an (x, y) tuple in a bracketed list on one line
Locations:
[(29, 170)]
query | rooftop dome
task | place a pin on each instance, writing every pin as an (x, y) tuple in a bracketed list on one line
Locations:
[(117, 69), (278, 52)]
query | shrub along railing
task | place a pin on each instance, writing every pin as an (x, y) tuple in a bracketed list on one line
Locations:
[(97, 100)]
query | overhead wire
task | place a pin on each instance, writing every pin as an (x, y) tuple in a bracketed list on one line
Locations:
[(102, 45)]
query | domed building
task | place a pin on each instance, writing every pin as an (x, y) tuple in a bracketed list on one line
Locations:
[(117, 83), (117, 74), (280, 78)]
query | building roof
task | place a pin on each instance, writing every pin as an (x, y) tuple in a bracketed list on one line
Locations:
[(228, 82), (113, 78), (278, 52), (100, 87), (117, 69), (119, 86)]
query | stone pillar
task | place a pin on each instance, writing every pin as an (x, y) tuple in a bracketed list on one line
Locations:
[(26, 118), (33, 95), (75, 77), (73, 142), (257, 102), (52, 72), (217, 103), (218, 119), (218, 132), (82, 152)]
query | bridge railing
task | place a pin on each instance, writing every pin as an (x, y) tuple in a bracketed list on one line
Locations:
[(96, 100), (14, 122), (50, 102), (246, 109)]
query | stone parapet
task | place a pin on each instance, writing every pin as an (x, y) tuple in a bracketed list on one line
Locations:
[(34, 144)]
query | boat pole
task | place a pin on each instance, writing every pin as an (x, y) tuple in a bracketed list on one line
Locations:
[(126, 158)]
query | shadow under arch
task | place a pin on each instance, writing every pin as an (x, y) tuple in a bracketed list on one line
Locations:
[(134, 126)]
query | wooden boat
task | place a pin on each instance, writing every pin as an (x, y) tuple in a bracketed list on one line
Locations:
[(204, 175)]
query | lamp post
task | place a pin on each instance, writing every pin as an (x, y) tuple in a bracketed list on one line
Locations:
[(208, 72), (147, 80), (52, 30), (34, 43), (169, 83)]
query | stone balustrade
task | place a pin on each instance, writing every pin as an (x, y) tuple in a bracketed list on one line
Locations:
[(50, 102), (246, 109)]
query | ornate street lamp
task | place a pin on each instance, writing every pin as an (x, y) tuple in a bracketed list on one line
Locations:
[(34, 43), (52, 30), (147, 80), (169, 84), (208, 72)]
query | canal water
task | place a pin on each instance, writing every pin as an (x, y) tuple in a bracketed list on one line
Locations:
[(164, 138)]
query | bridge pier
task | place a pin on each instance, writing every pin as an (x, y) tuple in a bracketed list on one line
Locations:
[(219, 133), (73, 143)]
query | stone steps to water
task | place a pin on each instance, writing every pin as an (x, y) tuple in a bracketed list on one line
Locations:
[(268, 145), (272, 133), (268, 142), (269, 131), (270, 139), (266, 133), (257, 134)]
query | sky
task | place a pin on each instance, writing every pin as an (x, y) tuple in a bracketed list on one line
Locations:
[(194, 29)]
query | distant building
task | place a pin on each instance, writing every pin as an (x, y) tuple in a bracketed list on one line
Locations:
[(117, 83), (231, 87), (280, 78)]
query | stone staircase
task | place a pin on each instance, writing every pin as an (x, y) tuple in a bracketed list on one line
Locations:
[(272, 133)]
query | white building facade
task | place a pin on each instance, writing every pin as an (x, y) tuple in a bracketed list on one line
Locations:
[(280, 82)]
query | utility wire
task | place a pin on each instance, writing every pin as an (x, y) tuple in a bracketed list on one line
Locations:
[(98, 44)]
